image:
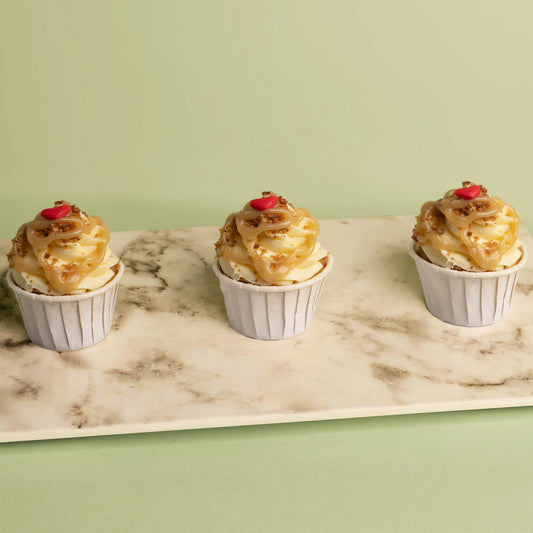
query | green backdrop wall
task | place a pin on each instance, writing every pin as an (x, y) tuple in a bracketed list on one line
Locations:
[(170, 113)]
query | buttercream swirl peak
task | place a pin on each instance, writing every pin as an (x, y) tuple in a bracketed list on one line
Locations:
[(55, 254), (477, 233), (270, 246)]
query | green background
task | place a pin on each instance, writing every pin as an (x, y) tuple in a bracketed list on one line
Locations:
[(169, 113)]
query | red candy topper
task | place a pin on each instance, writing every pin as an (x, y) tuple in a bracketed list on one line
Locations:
[(56, 212), (468, 193), (267, 202)]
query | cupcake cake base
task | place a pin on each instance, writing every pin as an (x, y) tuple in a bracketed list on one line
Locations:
[(272, 312), (66, 323), (467, 298)]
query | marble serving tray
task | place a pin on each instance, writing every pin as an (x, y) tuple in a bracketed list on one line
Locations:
[(172, 362)]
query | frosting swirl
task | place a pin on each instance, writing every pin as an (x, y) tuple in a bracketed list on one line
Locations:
[(274, 246), (478, 234), (68, 255)]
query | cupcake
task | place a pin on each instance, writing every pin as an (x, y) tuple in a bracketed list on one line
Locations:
[(271, 268), (468, 254), (64, 277)]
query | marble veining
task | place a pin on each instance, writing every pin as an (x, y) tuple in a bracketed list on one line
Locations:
[(171, 360)]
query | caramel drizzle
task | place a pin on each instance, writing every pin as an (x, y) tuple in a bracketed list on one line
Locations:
[(42, 234), (255, 228), (466, 216)]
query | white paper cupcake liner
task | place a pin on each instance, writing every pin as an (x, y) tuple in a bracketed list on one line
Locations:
[(65, 323), (271, 312), (467, 298)]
